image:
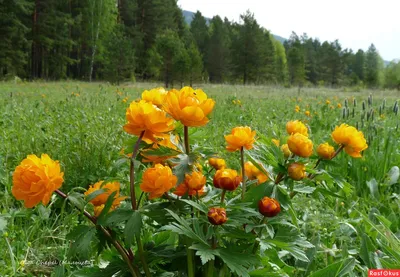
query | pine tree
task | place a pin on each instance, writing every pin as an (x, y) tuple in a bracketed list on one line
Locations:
[(373, 67), (200, 32), (195, 64), (295, 59)]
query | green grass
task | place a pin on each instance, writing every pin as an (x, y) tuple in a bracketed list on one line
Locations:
[(80, 124)]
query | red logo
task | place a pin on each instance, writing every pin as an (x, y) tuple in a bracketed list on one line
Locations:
[(383, 273)]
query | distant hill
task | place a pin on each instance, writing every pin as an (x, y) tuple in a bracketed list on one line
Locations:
[(188, 15)]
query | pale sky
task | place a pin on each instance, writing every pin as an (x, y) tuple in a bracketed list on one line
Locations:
[(355, 23)]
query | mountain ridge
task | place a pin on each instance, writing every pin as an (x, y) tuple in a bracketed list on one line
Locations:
[(188, 15)]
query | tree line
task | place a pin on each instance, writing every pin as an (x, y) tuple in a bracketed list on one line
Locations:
[(119, 40)]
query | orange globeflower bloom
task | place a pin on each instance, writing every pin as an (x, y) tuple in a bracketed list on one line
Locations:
[(300, 145), (217, 163), (158, 180), (325, 151), (339, 105), (108, 188), (183, 189), (252, 172), (286, 151), (240, 137), (307, 113), (296, 126), (352, 139), (196, 180), (155, 96), (35, 180), (144, 116), (189, 106), (297, 171), (227, 179), (269, 207), (217, 216)]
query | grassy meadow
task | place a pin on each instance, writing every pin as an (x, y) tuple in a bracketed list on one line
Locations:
[(80, 124)]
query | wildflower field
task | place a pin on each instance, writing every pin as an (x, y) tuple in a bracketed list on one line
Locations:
[(100, 180)]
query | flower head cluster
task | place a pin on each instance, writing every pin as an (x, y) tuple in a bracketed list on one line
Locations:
[(155, 96), (296, 126), (158, 180), (35, 179), (217, 216), (325, 151), (189, 106), (352, 140), (100, 200), (227, 179), (253, 173), (269, 207), (192, 185), (217, 163), (300, 145), (145, 117), (240, 137)]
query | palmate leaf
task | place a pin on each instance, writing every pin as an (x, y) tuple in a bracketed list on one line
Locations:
[(183, 164), (337, 269), (82, 237), (94, 194), (162, 151), (117, 216), (133, 227), (182, 227), (77, 200)]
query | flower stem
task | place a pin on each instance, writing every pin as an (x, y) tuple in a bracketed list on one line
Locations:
[(132, 171), (186, 138), (223, 196), (338, 151), (190, 260), (121, 250), (142, 258), (243, 173)]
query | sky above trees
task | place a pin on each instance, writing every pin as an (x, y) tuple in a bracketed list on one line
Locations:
[(356, 23)]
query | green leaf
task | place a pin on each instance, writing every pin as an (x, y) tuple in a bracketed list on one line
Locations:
[(94, 194), (133, 227), (3, 223), (393, 175), (183, 164), (205, 252), (82, 237), (77, 200), (237, 262), (117, 216), (337, 269), (200, 206), (373, 188), (303, 188), (162, 151), (106, 209), (59, 271), (366, 250)]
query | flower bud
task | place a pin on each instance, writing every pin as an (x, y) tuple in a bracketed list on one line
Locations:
[(227, 179), (286, 151), (297, 171), (269, 207), (217, 216), (217, 163), (325, 151)]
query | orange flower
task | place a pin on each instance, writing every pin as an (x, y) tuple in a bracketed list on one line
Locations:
[(339, 105), (297, 171), (158, 180), (252, 172), (155, 96), (217, 163), (227, 179), (189, 106), (269, 207), (240, 137), (327, 102), (144, 116), (296, 126), (217, 216), (108, 188), (276, 142), (325, 151), (352, 139), (300, 145), (195, 181), (35, 180), (166, 142), (183, 189), (286, 151)]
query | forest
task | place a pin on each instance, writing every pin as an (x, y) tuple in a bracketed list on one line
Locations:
[(149, 40)]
